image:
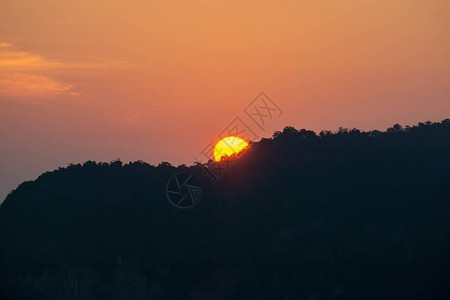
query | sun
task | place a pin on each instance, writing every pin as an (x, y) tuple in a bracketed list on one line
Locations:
[(228, 146)]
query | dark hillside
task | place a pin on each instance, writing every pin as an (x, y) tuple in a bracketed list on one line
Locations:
[(344, 215)]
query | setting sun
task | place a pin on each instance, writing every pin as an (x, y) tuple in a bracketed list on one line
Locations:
[(228, 146)]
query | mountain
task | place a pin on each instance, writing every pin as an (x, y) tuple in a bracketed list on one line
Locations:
[(335, 215)]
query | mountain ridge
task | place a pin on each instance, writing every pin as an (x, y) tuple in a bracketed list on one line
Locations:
[(329, 215)]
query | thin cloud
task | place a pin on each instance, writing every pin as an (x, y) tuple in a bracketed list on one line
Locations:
[(5, 45), (22, 85), (23, 74)]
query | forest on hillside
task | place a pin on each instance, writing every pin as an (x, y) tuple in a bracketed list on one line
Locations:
[(334, 215)]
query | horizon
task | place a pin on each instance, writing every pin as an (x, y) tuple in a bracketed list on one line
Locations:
[(4, 192), (193, 164)]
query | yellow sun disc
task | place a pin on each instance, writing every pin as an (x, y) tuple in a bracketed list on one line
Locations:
[(228, 146)]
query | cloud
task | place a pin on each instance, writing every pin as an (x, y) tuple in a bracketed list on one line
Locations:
[(22, 85), (24, 74), (5, 45), (19, 78)]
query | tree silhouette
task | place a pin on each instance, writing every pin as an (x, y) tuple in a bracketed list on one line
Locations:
[(343, 215)]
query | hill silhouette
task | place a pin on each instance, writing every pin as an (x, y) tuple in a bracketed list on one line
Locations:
[(335, 215)]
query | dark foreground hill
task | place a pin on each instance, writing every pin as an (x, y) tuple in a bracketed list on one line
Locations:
[(345, 215)]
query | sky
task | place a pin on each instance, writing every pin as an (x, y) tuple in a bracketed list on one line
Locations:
[(161, 80)]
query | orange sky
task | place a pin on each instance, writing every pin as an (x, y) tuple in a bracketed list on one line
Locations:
[(158, 80)]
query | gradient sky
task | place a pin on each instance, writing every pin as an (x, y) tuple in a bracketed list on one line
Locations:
[(158, 80)]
